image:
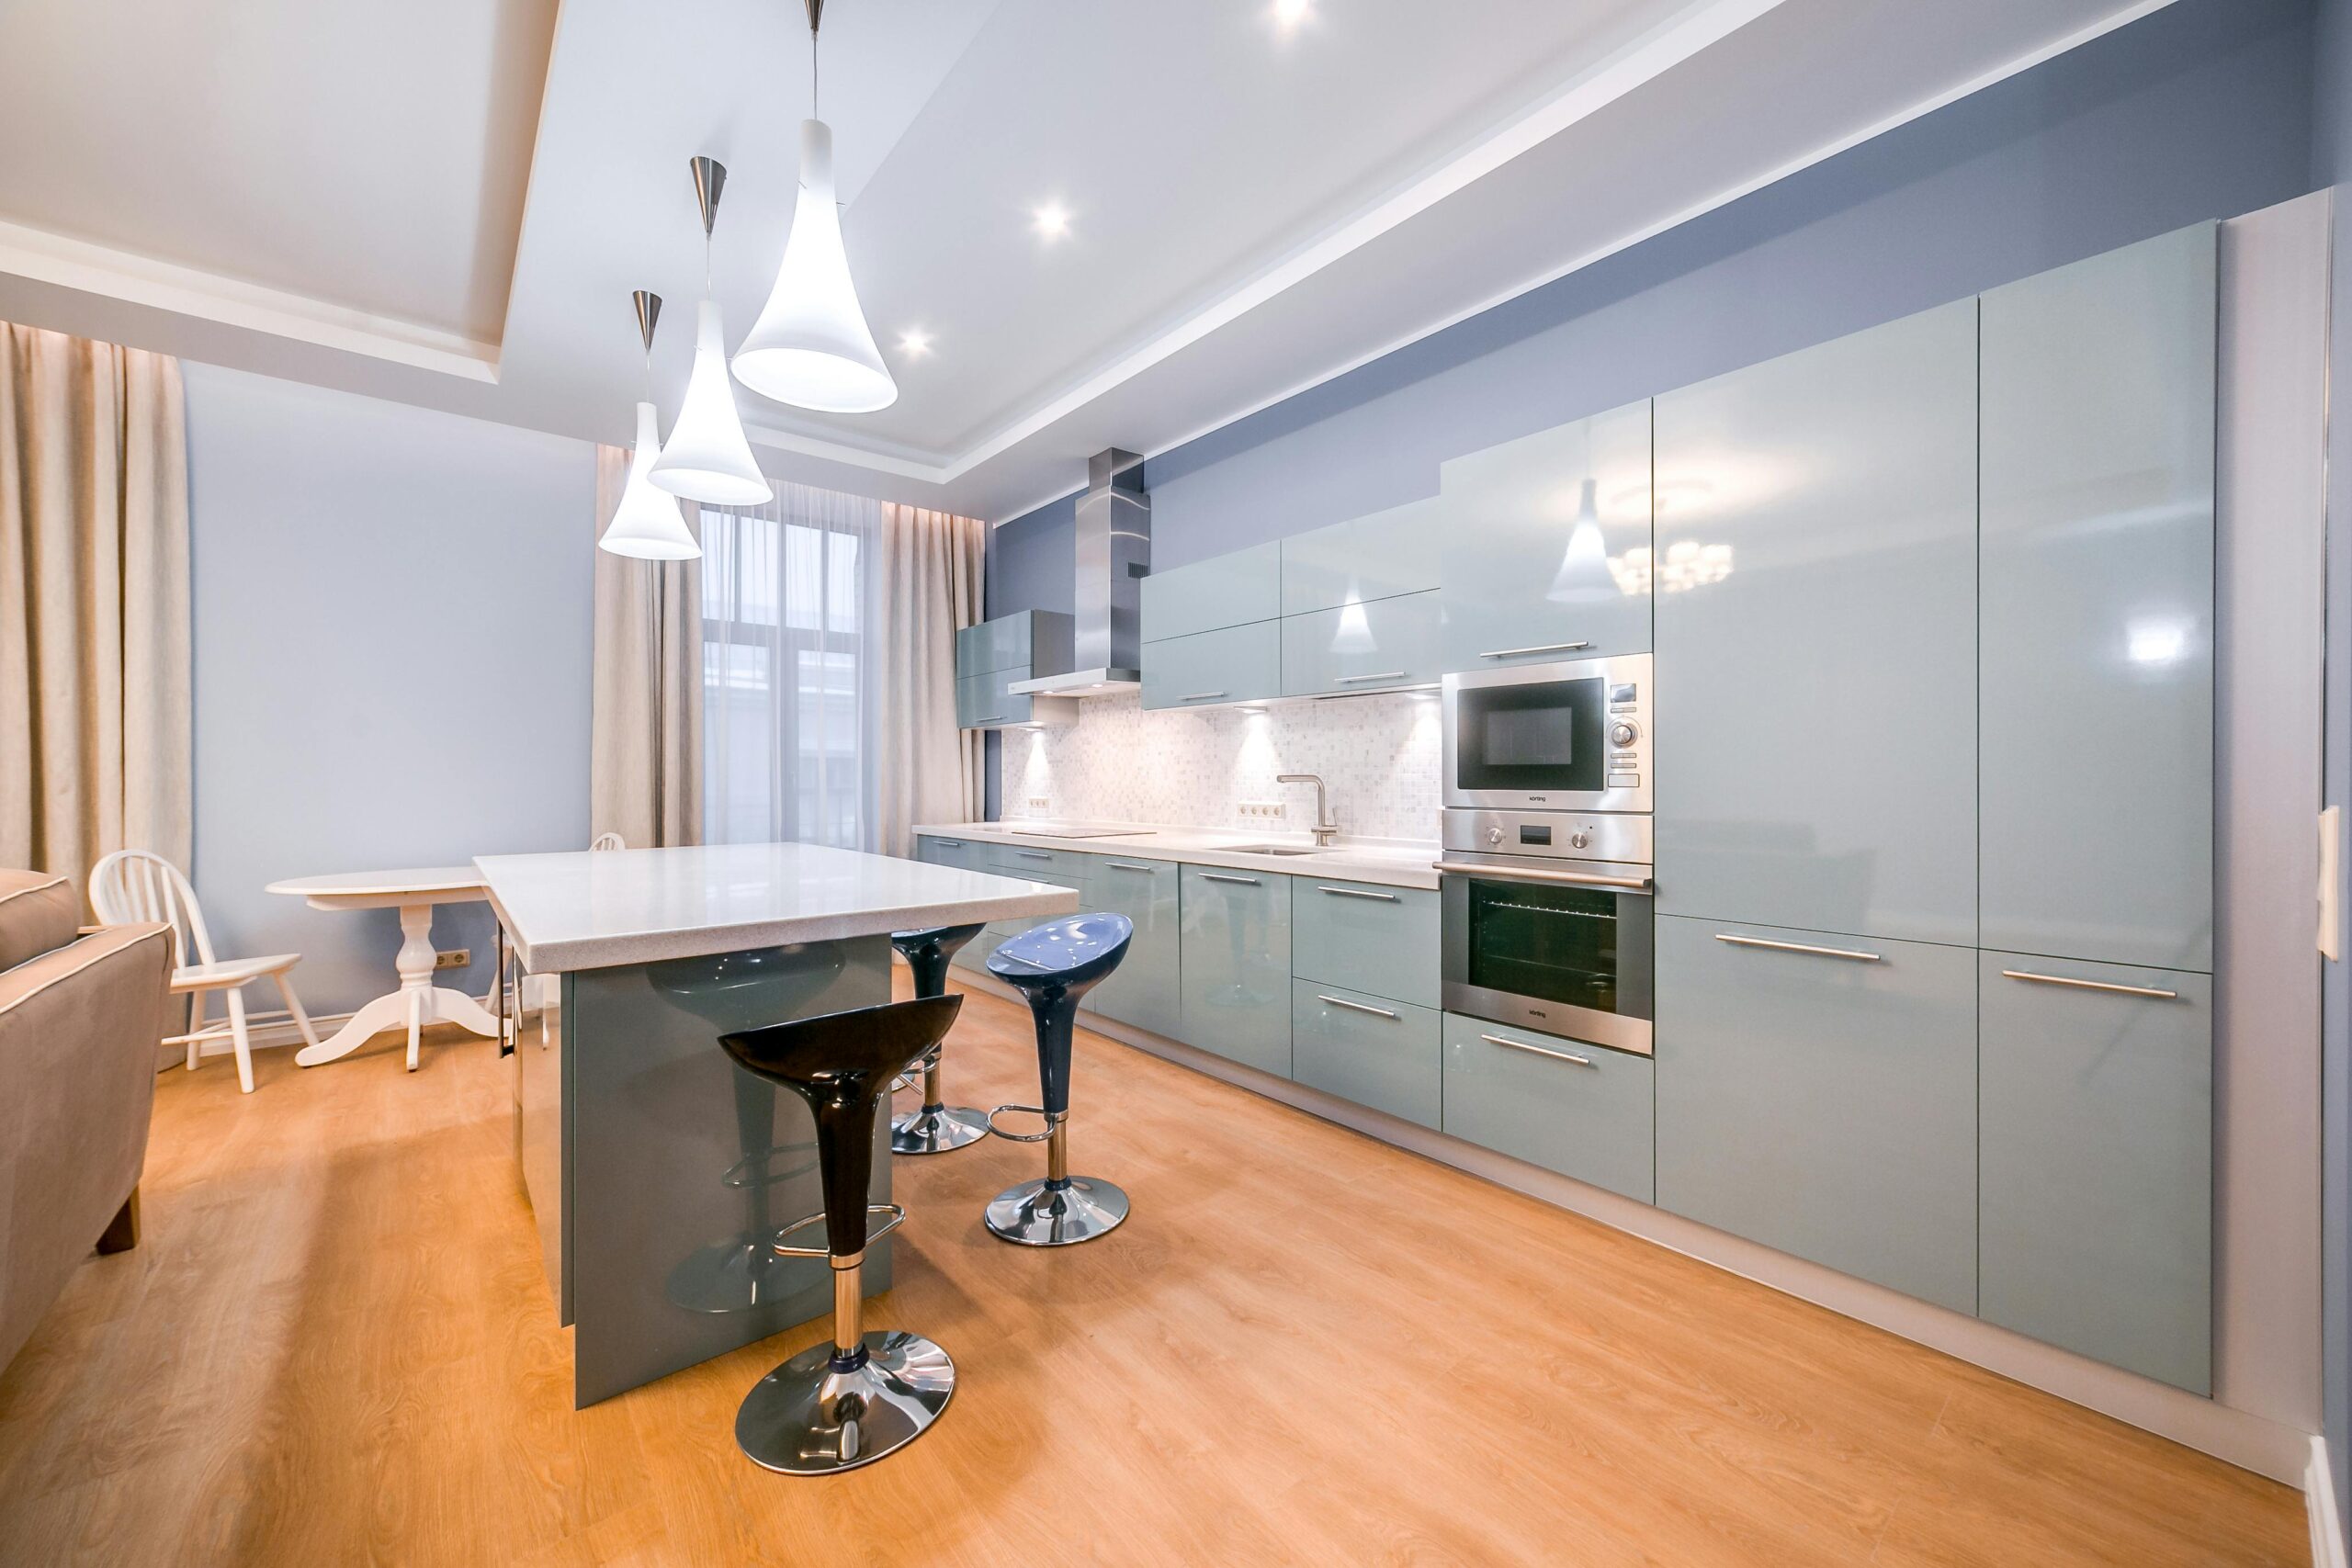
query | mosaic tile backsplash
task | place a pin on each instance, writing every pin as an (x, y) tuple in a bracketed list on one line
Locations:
[(1378, 755)]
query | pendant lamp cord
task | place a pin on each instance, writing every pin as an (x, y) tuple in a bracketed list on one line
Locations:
[(813, 67)]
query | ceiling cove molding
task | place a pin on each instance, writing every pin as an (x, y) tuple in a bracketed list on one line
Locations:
[(100, 270), (2122, 16)]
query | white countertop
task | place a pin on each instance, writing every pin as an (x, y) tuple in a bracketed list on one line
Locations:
[(1392, 863), (588, 909)]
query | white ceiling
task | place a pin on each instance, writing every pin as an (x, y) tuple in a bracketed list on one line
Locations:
[(447, 201)]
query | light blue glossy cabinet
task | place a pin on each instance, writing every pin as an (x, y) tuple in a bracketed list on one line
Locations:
[(994, 655), (1546, 547), (1144, 990), (970, 855), (1235, 963), (2098, 606), (1823, 1102), (1224, 590), (1362, 648), (1580, 1109), (1364, 937), (1368, 1049), (1378, 555), (2097, 1161), (1816, 645), (1214, 668)]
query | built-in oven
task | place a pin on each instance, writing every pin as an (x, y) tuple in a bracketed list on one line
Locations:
[(1574, 736), (1547, 922)]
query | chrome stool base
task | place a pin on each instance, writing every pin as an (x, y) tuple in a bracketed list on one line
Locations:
[(811, 1417), (1037, 1214), (934, 1132)]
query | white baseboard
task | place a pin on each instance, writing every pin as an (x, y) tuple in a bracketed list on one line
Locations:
[(2320, 1507), (262, 1036), (2238, 1437)]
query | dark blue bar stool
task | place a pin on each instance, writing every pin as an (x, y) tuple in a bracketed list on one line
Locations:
[(937, 1127), (837, 1406), (1053, 965)]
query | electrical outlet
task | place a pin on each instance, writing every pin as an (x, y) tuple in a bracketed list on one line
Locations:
[(453, 958), (1262, 811), (1040, 802)]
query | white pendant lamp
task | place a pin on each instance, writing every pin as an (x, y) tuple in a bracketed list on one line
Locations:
[(706, 458), (812, 347), (647, 524)]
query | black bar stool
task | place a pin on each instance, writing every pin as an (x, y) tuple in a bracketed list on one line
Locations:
[(937, 1127), (840, 1405), (1053, 965)]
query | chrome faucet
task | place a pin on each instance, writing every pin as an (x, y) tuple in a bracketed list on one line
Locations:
[(1325, 828)]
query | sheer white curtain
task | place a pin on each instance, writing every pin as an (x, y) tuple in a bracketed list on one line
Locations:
[(787, 672)]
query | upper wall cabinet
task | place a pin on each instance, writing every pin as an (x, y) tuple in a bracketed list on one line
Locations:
[(1817, 642), (1224, 590), (1362, 648), (994, 655), (1545, 546), (1375, 557), (2098, 607)]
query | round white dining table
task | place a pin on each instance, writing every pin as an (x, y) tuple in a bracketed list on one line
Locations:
[(418, 1001)]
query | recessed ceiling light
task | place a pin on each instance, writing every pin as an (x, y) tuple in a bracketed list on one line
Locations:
[(914, 343), (1052, 221), (1290, 14)]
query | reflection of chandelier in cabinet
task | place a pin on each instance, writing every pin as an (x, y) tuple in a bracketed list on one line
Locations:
[(1687, 564)]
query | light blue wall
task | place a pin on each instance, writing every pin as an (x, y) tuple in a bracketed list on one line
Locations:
[(2200, 110), (391, 644)]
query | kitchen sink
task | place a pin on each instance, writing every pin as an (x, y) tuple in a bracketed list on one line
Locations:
[(1269, 849)]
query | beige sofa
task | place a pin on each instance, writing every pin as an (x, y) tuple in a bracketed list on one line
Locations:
[(79, 1020)]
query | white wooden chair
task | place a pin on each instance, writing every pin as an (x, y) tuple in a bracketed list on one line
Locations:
[(134, 886), (608, 842)]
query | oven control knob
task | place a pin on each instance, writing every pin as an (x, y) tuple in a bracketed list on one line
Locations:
[(1579, 840), (1494, 835), (1624, 734)]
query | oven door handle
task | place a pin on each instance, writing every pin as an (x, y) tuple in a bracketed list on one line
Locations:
[(1570, 878)]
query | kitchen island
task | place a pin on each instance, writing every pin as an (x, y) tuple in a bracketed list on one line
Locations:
[(658, 1171)]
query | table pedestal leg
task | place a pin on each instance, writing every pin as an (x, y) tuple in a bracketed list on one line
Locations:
[(417, 1003)]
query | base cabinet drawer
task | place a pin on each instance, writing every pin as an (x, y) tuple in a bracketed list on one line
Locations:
[(1208, 669), (966, 854), (1234, 962), (1818, 1094), (1367, 938), (1367, 1049), (1144, 990), (2097, 1180), (1025, 861), (1583, 1110)]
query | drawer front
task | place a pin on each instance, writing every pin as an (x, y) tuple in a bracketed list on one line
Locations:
[(1023, 860), (1583, 1110), (1367, 1049), (966, 854), (1822, 1104), (1235, 957), (1362, 648), (2096, 1187), (1213, 668), (1367, 938), (1227, 590), (1376, 556), (1144, 990)]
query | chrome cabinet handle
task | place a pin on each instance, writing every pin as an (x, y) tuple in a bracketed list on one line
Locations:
[(949, 843), (1514, 873), (2092, 985), (1220, 877), (1858, 957), (1198, 696), (1356, 1006), (1356, 892), (1035, 854), (1360, 679), (992, 719), (1125, 866), (1537, 1050), (1539, 647)]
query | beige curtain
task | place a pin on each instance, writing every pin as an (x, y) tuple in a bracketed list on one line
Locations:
[(94, 603), (926, 582), (645, 703)]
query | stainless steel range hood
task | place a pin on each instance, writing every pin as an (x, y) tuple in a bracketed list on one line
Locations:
[(1113, 558)]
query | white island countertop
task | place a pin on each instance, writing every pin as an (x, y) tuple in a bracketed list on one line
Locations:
[(591, 909), (1392, 863)]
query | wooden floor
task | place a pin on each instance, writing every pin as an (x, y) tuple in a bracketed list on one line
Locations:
[(335, 1347)]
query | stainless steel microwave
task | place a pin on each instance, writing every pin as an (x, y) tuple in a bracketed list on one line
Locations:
[(1572, 736)]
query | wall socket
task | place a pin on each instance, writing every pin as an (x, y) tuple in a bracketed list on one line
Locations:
[(1040, 802), (453, 958), (1262, 811)]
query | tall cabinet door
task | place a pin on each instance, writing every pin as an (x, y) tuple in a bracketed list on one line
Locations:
[(1818, 1093), (2098, 607), (1234, 963), (1544, 549), (1143, 989), (1816, 637), (2097, 1161)]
